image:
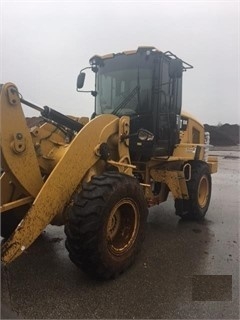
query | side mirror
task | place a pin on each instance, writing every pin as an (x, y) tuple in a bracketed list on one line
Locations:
[(175, 68), (80, 80)]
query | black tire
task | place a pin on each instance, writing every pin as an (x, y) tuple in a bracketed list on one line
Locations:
[(11, 219), (199, 189), (106, 225)]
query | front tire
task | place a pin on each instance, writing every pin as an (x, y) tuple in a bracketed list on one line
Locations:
[(199, 189), (106, 225)]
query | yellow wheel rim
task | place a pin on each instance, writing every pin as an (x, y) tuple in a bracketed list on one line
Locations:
[(122, 226), (203, 191)]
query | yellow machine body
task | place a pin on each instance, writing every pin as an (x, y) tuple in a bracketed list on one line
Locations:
[(44, 166)]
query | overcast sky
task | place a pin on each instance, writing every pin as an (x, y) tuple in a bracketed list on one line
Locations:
[(44, 44)]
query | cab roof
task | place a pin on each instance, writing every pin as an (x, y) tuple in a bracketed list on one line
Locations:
[(127, 52)]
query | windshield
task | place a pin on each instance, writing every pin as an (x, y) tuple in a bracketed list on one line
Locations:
[(124, 86)]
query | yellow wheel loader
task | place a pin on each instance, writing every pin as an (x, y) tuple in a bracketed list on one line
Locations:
[(99, 176)]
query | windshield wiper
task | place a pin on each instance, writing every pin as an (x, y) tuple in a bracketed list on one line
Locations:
[(126, 100)]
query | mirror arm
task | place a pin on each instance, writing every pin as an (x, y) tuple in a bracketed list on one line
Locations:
[(93, 93)]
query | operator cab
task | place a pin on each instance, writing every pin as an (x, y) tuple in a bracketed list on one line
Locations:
[(146, 85)]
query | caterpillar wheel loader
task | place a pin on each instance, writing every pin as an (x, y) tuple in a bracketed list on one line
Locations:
[(99, 176)]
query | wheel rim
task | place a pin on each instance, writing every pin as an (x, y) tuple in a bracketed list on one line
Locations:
[(122, 226), (203, 192)]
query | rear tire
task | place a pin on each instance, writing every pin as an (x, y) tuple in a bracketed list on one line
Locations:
[(199, 189), (106, 225)]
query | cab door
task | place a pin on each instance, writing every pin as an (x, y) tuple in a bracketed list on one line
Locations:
[(168, 102)]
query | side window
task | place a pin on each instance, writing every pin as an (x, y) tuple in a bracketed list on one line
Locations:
[(107, 88), (165, 77), (165, 89), (122, 86), (179, 95), (145, 76)]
